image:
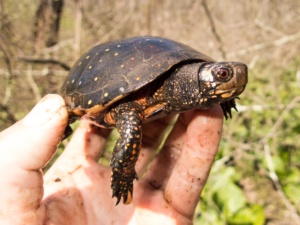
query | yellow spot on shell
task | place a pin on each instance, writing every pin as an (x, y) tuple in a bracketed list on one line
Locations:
[(89, 102), (116, 54), (118, 46), (90, 67), (87, 57), (138, 78), (79, 83), (106, 94), (79, 63), (122, 65), (96, 78), (73, 81), (100, 60), (107, 49)]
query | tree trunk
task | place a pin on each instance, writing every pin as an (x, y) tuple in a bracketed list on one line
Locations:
[(47, 21)]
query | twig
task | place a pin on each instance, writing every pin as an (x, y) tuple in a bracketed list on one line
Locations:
[(268, 28), (280, 119), (46, 61), (33, 86), (272, 173), (36, 73), (264, 45), (213, 29), (10, 116), (9, 81), (77, 31), (116, 27), (61, 45), (275, 180), (258, 108), (298, 74)]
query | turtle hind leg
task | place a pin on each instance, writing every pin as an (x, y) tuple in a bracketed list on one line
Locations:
[(125, 153), (67, 133), (68, 130)]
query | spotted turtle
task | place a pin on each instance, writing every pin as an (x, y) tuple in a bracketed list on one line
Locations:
[(128, 82)]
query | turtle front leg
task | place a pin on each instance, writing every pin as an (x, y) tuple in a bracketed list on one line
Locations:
[(126, 152)]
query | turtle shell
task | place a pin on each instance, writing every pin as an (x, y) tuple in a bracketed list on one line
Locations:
[(110, 71)]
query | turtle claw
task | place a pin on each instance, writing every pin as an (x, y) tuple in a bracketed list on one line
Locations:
[(118, 196), (122, 189), (127, 198)]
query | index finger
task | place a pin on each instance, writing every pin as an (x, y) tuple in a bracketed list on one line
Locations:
[(191, 170)]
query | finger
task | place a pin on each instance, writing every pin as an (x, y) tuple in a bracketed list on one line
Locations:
[(31, 142), (153, 134), (85, 147), (191, 170), (162, 165), (76, 179), (25, 148)]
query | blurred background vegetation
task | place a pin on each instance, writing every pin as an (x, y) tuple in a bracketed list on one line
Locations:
[(256, 176)]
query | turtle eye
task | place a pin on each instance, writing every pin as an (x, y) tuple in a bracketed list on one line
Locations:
[(222, 73)]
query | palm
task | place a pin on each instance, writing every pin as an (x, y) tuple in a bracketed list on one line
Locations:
[(77, 190)]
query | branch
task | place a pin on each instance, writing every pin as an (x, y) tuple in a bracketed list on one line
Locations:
[(36, 73), (280, 119), (273, 175), (34, 87), (10, 116), (77, 31), (213, 28), (264, 45), (271, 168), (46, 61), (9, 81)]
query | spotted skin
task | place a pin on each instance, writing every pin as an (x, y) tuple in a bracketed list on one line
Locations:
[(126, 83)]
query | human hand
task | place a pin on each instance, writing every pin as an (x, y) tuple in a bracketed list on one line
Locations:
[(76, 189)]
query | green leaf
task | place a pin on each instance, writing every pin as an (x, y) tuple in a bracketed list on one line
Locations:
[(230, 199), (208, 218), (253, 215)]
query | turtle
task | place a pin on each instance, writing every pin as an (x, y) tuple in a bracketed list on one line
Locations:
[(125, 83)]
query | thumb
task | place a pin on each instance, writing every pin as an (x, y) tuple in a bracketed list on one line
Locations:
[(25, 148), (31, 142)]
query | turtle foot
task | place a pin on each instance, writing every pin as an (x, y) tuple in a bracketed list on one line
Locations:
[(122, 187)]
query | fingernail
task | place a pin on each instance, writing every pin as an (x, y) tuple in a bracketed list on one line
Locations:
[(44, 110)]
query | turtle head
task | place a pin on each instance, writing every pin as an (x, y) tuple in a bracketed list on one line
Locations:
[(223, 81)]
